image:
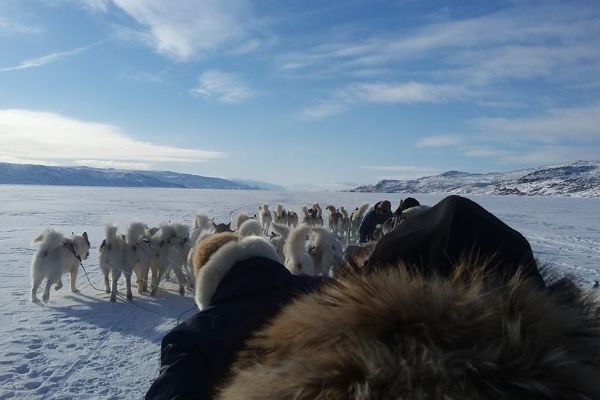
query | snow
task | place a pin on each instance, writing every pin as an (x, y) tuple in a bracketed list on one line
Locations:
[(80, 345)]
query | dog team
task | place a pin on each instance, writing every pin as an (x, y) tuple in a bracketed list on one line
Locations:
[(304, 245)]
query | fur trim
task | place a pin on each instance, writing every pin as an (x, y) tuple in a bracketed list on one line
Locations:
[(393, 335), (219, 263), (207, 246)]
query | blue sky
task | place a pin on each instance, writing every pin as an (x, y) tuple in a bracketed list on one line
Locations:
[(299, 92)]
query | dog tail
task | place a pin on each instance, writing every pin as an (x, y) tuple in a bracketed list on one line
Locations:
[(181, 230), (111, 232), (201, 222), (281, 230), (295, 245), (48, 239), (250, 227), (240, 219), (135, 230)]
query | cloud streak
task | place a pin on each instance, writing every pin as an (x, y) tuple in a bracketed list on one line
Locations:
[(403, 171), (224, 87), (356, 94), (47, 59), (556, 135), (49, 137), (185, 30)]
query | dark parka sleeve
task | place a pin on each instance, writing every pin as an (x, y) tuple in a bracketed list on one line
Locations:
[(185, 370)]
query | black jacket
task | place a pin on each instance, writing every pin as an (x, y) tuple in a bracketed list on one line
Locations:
[(370, 221), (197, 354)]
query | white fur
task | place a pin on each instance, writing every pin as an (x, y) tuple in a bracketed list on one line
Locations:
[(54, 258), (265, 218), (112, 258), (281, 230), (325, 250), (297, 260), (356, 218), (307, 219), (250, 228), (219, 264), (200, 225), (171, 248), (240, 219), (318, 219)]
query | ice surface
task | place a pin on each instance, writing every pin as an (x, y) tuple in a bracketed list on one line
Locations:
[(82, 346)]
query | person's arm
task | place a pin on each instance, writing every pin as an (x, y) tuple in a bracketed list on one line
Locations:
[(184, 371), (366, 227)]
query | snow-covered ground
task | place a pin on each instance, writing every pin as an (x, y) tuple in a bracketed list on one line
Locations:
[(82, 346)]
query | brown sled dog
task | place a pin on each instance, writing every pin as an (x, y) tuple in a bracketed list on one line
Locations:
[(390, 334)]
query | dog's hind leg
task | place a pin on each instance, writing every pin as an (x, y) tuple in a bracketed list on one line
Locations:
[(128, 284), (35, 284), (144, 277), (106, 283), (155, 282), (74, 271), (46, 296), (116, 274), (181, 278)]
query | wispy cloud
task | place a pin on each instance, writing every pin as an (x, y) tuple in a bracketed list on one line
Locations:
[(535, 40), (384, 93), (225, 87), (47, 59), (555, 135), (49, 137), (9, 26), (190, 29), (440, 141), (403, 171), (573, 123)]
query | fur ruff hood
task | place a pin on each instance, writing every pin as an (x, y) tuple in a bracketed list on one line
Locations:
[(391, 334), (218, 265)]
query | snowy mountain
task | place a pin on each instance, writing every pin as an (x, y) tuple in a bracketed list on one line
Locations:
[(25, 174), (574, 179)]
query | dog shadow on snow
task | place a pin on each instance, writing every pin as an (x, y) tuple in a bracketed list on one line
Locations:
[(144, 317)]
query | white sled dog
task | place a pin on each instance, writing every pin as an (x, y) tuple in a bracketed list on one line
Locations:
[(55, 256), (112, 258), (265, 218), (356, 218)]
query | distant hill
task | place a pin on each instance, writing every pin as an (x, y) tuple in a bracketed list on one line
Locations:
[(25, 174), (574, 179), (259, 184)]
